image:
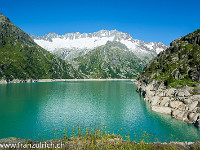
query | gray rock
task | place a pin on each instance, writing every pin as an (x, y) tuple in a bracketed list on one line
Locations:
[(170, 92), (180, 94), (195, 97), (160, 93), (179, 114), (186, 93), (187, 101), (174, 112), (155, 100), (193, 117), (150, 93), (185, 116), (192, 105), (167, 104), (176, 104), (164, 101), (182, 115), (162, 109), (3, 81)]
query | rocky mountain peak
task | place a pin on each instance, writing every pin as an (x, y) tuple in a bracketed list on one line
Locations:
[(3, 18), (76, 44), (118, 36)]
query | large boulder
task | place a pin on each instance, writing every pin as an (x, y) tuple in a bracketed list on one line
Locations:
[(162, 109), (160, 93), (176, 104), (174, 112), (164, 101), (149, 87), (182, 93), (193, 105), (187, 101), (193, 117), (178, 114), (195, 97), (15, 81), (155, 100), (170, 92), (150, 93), (3, 81), (186, 93)]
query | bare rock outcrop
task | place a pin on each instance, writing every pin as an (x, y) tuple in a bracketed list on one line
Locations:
[(179, 103)]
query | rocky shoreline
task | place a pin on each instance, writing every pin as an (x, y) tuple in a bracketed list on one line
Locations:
[(182, 104)]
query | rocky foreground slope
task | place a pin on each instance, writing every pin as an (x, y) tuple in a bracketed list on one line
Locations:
[(171, 81), (22, 58)]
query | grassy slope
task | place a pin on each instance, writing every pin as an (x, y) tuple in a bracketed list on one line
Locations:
[(21, 57), (177, 65), (112, 60)]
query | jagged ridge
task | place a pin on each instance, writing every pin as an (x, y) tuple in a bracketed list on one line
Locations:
[(72, 45)]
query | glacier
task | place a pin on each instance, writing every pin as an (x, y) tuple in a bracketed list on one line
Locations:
[(72, 45)]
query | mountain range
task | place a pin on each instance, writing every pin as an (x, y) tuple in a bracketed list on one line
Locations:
[(72, 45), (103, 54)]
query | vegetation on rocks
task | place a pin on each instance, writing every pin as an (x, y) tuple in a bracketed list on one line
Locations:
[(112, 60), (178, 65), (171, 81), (22, 58)]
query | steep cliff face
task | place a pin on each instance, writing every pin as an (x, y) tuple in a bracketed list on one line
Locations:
[(22, 58), (177, 65)]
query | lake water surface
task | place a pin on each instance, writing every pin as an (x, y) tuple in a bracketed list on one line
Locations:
[(36, 110)]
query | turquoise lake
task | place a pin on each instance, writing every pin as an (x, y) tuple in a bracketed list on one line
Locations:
[(36, 110)]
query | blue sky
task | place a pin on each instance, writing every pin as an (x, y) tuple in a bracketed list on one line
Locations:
[(147, 20)]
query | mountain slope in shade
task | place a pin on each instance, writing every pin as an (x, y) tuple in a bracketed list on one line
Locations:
[(22, 58), (177, 65), (72, 45), (112, 60)]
